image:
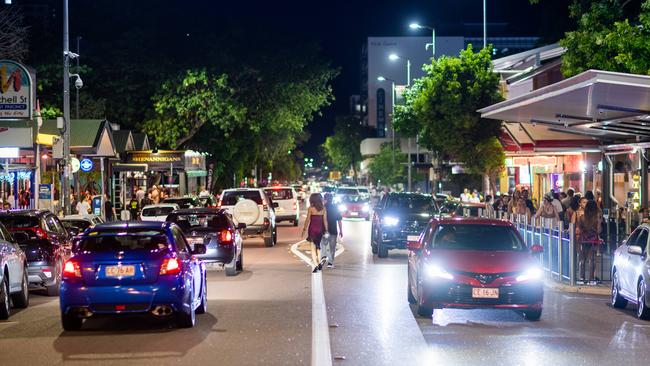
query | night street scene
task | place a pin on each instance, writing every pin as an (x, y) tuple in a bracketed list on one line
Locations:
[(193, 182)]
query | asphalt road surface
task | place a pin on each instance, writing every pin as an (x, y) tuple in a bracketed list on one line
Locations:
[(263, 316)]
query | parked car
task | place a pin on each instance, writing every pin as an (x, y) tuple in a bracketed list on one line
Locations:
[(630, 272), (215, 229), (397, 216), (356, 207), (252, 207), (157, 212), (474, 263), (300, 191), (183, 202), (134, 268), (287, 200), (14, 282), (77, 224), (46, 244)]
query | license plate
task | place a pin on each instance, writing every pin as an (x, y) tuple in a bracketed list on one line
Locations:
[(195, 240), (120, 271), (485, 293), (354, 213)]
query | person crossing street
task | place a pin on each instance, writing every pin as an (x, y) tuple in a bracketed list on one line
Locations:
[(335, 229)]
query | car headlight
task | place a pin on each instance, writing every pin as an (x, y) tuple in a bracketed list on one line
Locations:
[(534, 273), (391, 221), (365, 208), (342, 208), (434, 271), (337, 199)]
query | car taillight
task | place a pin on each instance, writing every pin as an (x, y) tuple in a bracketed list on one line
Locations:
[(265, 205), (170, 266), (225, 237), (40, 233), (218, 204), (295, 204), (71, 269)]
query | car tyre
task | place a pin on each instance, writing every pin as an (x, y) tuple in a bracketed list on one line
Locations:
[(382, 250), (533, 315), (295, 222), (187, 319), (268, 242), (203, 307), (5, 301), (21, 299), (642, 312), (423, 310), (240, 261), (231, 267), (53, 290), (409, 294), (71, 322), (275, 236), (618, 301)]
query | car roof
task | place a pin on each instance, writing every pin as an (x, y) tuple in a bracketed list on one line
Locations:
[(243, 189), (185, 211), (472, 204), (88, 218), (406, 194), (25, 212), (471, 221), (278, 187), (132, 225), (161, 205)]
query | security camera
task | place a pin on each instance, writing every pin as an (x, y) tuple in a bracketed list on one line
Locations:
[(78, 83)]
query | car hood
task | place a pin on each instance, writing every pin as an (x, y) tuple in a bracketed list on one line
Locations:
[(407, 215), (479, 261)]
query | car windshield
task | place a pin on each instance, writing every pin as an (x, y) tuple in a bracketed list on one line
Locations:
[(181, 202), (279, 193), (123, 240), (363, 190), (232, 197), (19, 222), (415, 203), (477, 237), (327, 189), (157, 211), (77, 224), (199, 220), (342, 191), (349, 198)]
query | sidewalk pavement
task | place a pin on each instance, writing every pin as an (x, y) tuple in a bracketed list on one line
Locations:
[(602, 289)]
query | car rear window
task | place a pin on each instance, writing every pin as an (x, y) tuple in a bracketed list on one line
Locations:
[(182, 202), (123, 240), (277, 194), (157, 211), (417, 203), (232, 197), (79, 224), (199, 220), (19, 222), (477, 237)]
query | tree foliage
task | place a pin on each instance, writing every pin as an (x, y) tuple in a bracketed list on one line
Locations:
[(609, 36), (387, 170), (441, 108), (342, 148), (13, 38)]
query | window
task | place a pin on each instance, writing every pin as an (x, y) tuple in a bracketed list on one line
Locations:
[(631, 240), (5, 233), (476, 237), (181, 245), (157, 211), (20, 222), (418, 203), (115, 241), (277, 194), (231, 198), (642, 241), (190, 221), (51, 224)]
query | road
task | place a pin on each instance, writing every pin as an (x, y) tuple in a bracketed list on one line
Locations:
[(263, 316)]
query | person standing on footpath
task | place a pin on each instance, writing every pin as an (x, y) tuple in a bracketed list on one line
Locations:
[(109, 209), (315, 227), (335, 226), (588, 230)]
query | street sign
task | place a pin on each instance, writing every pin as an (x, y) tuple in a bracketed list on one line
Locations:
[(16, 91), (86, 165), (45, 191), (74, 164)]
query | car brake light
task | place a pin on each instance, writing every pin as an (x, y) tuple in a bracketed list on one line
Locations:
[(40, 233), (295, 204), (120, 307), (218, 204), (265, 204), (225, 237), (71, 269), (170, 266)]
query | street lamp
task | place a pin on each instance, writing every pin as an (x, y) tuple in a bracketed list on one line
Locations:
[(433, 36), (392, 113), (395, 57)]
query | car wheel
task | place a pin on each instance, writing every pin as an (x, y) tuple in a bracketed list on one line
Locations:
[(71, 322), (187, 319), (275, 236), (409, 293), (231, 267), (268, 242), (422, 309), (642, 311), (21, 299), (203, 307), (53, 290), (382, 250), (240, 262), (5, 302), (618, 301), (533, 315), (295, 222)]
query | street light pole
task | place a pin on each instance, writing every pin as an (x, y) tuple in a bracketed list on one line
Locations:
[(433, 36), (484, 26), (66, 110), (77, 89)]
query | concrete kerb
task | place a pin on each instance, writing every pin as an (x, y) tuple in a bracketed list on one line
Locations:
[(589, 290)]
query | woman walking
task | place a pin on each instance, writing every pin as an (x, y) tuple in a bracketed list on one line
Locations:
[(522, 209), (315, 227), (588, 228)]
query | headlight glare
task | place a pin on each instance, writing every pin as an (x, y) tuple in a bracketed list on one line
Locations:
[(534, 273), (434, 271), (342, 208), (391, 221), (366, 208)]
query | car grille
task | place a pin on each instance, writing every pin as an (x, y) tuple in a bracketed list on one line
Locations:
[(508, 295), (486, 278)]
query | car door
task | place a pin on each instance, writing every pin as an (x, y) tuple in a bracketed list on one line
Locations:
[(377, 215), (11, 253), (415, 257), (635, 262), (623, 263), (189, 261)]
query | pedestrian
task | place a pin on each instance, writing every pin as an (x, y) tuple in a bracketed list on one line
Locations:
[(522, 209), (204, 192), (155, 195), (588, 232), (109, 209), (558, 205), (512, 204), (581, 209), (315, 227), (529, 202), (571, 211), (335, 229), (465, 196), (548, 210), (83, 207), (139, 194), (566, 202), (134, 207)]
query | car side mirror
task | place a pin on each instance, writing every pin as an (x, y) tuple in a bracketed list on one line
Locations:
[(413, 242), (241, 226), (20, 237), (199, 249), (635, 250), (537, 249), (276, 205)]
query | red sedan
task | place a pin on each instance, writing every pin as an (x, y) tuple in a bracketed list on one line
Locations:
[(474, 263)]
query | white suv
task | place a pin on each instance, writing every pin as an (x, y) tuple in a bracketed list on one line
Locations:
[(252, 207), (287, 200)]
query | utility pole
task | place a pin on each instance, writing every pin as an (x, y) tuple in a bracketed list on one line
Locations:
[(77, 89), (66, 111), (484, 25)]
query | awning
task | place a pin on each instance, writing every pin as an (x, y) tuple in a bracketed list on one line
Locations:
[(196, 173), (605, 105), (120, 167)]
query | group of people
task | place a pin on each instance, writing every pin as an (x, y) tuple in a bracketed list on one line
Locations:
[(323, 226)]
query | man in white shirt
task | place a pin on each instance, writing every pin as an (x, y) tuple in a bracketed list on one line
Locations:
[(204, 192)]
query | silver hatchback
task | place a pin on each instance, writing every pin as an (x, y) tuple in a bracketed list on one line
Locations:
[(631, 272)]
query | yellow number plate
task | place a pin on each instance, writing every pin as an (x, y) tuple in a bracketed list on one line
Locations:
[(120, 271)]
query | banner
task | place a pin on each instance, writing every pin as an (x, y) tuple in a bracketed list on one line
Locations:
[(16, 91)]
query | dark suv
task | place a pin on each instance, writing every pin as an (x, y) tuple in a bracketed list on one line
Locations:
[(46, 243), (398, 216)]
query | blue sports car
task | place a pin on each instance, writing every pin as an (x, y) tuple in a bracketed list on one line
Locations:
[(133, 267)]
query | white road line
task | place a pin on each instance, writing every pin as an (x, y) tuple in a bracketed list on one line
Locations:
[(321, 350)]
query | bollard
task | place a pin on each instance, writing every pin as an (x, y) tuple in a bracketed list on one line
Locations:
[(559, 249), (572, 255)]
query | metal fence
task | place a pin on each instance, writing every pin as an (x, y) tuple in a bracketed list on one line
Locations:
[(560, 258)]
